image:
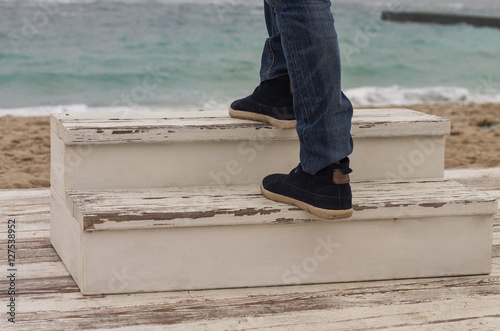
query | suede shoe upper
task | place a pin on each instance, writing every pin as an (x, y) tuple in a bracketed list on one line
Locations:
[(328, 189), (272, 98)]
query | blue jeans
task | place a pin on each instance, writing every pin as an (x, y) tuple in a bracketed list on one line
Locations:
[(303, 44)]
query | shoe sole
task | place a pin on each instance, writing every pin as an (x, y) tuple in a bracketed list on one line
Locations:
[(319, 212), (246, 115)]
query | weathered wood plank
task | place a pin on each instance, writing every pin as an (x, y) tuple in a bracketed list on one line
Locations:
[(238, 205), (32, 250), (483, 179), (156, 127), (51, 301), (138, 165), (450, 231), (30, 209), (27, 203), (390, 302)]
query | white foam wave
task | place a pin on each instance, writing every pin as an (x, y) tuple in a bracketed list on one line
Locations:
[(47, 110), (81, 108), (396, 95), (360, 97), (215, 2)]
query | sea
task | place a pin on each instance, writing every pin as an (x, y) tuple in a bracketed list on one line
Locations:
[(166, 55)]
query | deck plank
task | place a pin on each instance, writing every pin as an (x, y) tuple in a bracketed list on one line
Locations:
[(156, 127), (482, 179), (239, 205), (49, 298)]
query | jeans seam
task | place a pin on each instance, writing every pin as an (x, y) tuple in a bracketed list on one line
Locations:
[(305, 106), (271, 64), (271, 51)]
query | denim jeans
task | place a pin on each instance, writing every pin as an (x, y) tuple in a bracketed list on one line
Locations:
[(303, 44)]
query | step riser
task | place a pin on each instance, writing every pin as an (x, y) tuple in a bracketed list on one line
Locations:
[(230, 162), (66, 238), (126, 216), (261, 255)]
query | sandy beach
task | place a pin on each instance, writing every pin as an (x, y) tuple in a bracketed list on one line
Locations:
[(474, 143), (24, 152)]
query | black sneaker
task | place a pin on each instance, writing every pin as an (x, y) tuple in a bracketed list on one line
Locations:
[(271, 102), (326, 194)]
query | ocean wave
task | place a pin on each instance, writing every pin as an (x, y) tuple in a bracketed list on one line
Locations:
[(214, 2), (208, 106), (400, 96), (370, 96), (47, 110)]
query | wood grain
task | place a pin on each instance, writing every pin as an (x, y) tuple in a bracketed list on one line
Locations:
[(159, 127), (51, 300), (238, 205)]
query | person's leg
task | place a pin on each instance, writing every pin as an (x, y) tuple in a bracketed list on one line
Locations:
[(273, 62), (272, 100), (320, 184), (312, 54)]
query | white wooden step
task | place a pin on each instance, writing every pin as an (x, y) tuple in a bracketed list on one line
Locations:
[(160, 127), (122, 241), (138, 149)]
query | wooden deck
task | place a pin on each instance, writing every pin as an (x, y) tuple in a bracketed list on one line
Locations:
[(48, 299)]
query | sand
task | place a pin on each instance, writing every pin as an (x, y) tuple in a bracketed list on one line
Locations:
[(474, 143), (24, 152)]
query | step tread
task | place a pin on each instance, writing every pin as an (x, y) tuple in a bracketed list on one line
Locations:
[(244, 205), (154, 127)]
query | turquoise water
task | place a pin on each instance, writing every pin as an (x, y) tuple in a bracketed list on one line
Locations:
[(180, 55)]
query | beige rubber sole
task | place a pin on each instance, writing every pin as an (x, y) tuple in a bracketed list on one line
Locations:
[(246, 115), (319, 212)]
